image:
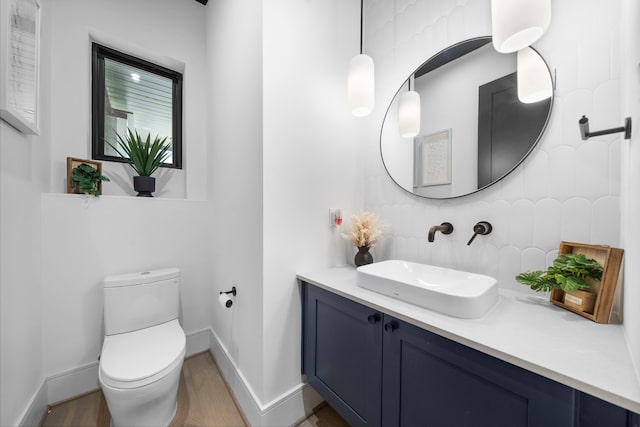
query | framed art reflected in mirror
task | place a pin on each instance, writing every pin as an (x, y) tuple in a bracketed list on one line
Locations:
[(432, 160)]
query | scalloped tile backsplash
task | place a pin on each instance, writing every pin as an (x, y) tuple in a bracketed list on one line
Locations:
[(567, 189)]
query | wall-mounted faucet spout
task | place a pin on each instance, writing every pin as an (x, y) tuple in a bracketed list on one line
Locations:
[(444, 228)]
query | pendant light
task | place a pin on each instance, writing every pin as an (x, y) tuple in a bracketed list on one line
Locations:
[(518, 23), (361, 83), (534, 80), (409, 113)]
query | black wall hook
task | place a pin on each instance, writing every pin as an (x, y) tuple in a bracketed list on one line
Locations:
[(585, 134)]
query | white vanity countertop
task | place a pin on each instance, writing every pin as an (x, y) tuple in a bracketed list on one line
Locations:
[(527, 331)]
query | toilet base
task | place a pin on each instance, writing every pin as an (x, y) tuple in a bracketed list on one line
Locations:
[(154, 404), (175, 409), (161, 421)]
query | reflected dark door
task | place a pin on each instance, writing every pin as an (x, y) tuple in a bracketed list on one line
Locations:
[(507, 128)]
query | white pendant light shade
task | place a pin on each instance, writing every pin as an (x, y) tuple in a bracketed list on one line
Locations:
[(360, 85), (409, 114), (534, 80), (518, 23)]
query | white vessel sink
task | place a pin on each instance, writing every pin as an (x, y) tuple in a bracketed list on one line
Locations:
[(452, 292)]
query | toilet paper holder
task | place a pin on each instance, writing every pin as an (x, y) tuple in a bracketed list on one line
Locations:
[(227, 301), (232, 291)]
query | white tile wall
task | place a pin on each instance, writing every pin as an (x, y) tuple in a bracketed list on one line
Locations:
[(566, 189)]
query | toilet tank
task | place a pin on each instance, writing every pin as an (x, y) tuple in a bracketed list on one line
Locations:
[(140, 300)]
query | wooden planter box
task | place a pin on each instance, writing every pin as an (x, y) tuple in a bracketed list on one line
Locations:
[(594, 303), (73, 162), (580, 300)]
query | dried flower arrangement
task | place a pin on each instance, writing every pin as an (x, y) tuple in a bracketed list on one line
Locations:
[(365, 229)]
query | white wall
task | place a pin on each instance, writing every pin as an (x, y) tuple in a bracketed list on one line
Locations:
[(20, 286), (312, 162), (215, 244), (566, 190), (24, 170), (164, 31), (56, 248), (284, 150), (234, 46), (630, 235), (85, 239)]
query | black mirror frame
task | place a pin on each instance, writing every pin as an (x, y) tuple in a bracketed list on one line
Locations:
[(459, 50)]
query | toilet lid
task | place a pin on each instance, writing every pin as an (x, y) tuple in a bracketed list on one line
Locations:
[(137, 358)]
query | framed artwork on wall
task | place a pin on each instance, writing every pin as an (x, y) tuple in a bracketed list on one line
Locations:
[(20, 64)]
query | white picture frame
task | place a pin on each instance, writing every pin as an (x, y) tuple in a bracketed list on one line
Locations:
[(432, 159), (20, 64)]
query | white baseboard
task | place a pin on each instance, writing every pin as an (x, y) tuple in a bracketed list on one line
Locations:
[(36, 408), (292, 407), (71, 383), (198, 341), (285, 410), (84, 379)]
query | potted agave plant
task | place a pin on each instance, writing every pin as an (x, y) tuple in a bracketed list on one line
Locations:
[(144, 155)]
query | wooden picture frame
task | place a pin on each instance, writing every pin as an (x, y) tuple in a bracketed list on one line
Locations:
[(73, 162), (596, 305), (20, 64)]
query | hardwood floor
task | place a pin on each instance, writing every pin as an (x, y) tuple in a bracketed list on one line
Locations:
[(203, 400), (207, 401), (324, 417), (88, 410)]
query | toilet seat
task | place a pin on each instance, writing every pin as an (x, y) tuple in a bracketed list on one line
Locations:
[(135, 359)]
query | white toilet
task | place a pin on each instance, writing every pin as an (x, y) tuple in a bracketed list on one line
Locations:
[(143, 349)]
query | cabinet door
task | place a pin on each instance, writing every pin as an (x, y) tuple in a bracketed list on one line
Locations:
[(594, 412), (343, 355), (432, 381)]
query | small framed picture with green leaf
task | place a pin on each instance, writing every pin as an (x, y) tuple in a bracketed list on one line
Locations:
[(84, 176)]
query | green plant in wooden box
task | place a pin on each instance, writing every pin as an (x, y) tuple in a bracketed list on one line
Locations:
[(567, 273), (86, 178)]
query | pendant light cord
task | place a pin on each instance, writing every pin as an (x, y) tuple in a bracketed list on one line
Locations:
[(361, 23)]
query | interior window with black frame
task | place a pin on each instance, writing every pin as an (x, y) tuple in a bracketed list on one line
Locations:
[(131, 93)]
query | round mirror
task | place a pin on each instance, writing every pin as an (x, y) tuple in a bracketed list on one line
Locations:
[(474, 130)]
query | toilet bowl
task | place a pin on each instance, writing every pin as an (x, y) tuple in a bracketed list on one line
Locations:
[(143, 348)]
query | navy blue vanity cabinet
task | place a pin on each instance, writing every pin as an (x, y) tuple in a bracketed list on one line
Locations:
[(342, 348), (432, 381), (376, 370), (594, 412)]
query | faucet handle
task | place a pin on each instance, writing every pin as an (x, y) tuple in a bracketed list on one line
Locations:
[(482, 227)]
